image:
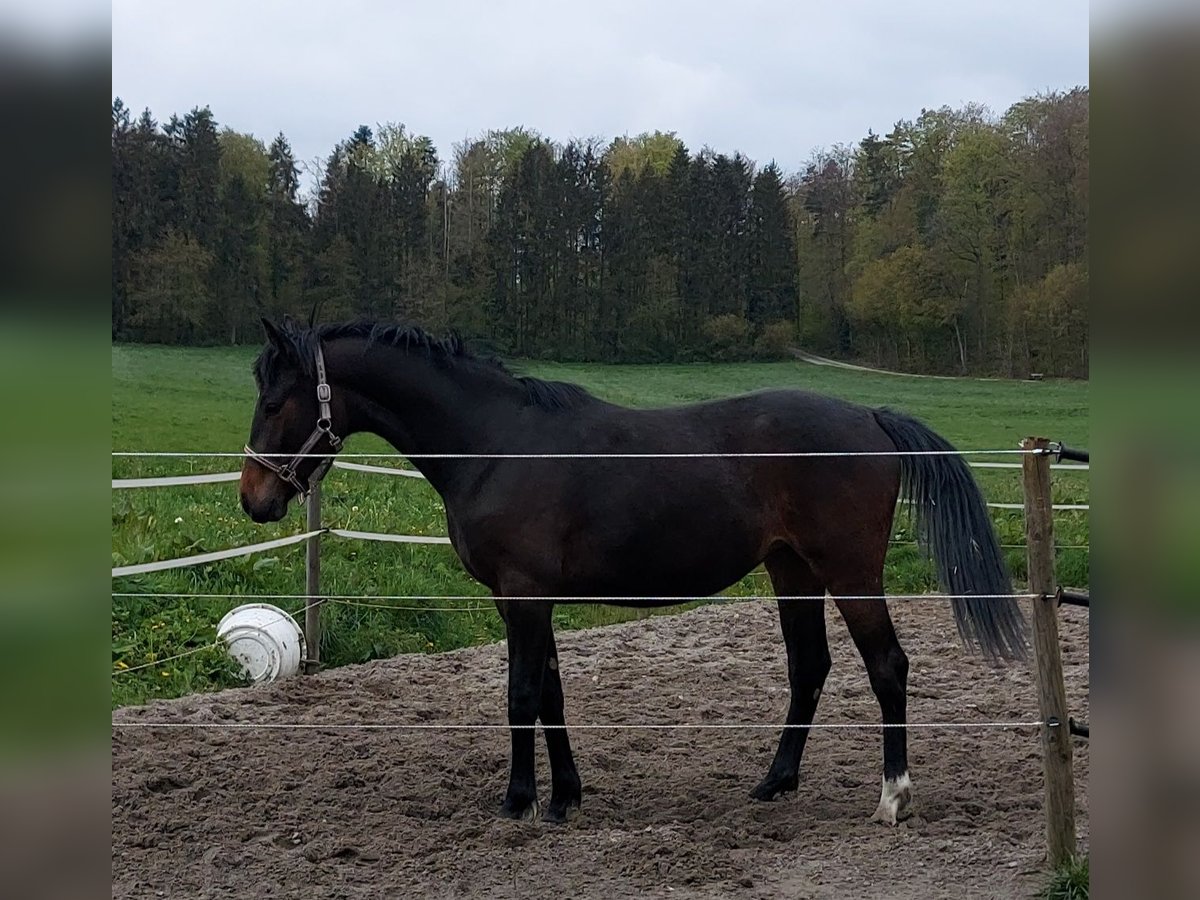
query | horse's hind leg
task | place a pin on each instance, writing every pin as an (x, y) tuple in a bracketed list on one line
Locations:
[(803, 626), (565, 792), (871, 627)]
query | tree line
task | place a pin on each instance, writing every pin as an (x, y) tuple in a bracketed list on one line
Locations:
[(954, 243)]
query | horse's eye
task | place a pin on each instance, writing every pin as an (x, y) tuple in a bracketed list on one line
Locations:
[(272, 408)]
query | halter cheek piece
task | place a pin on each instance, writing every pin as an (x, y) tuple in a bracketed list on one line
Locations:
[(324, 428)]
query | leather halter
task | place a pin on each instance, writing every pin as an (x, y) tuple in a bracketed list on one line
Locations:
[(324, 428)]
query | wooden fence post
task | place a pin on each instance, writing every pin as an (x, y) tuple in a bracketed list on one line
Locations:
[(312, 584), (1052, 693)]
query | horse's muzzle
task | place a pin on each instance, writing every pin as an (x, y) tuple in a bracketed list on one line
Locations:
[(263, 496), (262, 513)]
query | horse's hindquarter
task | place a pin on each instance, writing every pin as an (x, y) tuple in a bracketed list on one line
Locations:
[(671, 526)]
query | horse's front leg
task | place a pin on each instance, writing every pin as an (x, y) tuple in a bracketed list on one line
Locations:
[(566, 792), (528, 626)]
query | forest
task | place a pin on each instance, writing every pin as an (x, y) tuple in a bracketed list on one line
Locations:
[(956, 243)]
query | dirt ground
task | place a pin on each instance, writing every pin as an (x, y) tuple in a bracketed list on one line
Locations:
[(356, 814)]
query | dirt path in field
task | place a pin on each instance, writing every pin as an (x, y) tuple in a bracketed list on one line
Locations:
[(805, 356), (357, 814)]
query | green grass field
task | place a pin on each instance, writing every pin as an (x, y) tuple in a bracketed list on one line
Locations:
[(202, 399)]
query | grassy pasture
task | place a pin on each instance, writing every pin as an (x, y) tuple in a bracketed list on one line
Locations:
[(186, 399)]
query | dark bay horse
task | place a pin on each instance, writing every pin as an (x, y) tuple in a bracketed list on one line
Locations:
[(640, 527)]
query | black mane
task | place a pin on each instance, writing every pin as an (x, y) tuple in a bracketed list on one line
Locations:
[(303, 339)]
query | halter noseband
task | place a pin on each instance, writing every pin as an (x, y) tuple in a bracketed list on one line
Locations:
[(324, 428)]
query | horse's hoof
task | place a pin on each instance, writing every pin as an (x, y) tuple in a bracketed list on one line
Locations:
[(563, 799), (519, 811), (559, 814), (771, 787), (894, 800)]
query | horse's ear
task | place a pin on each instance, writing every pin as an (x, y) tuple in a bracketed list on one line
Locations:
[(274, 335)]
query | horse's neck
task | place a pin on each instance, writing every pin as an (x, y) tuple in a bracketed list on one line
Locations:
[(422, 408)]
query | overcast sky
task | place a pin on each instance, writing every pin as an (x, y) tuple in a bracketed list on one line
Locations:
[(773, 80)]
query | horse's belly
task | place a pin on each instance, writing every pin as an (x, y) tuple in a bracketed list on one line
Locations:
[(661, 542), (689, 553)]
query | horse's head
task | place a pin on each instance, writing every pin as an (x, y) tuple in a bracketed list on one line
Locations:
[(293, 423)]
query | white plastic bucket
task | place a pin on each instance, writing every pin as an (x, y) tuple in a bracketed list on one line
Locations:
[(264, 640)]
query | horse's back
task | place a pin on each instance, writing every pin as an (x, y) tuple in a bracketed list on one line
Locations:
[(770, 420), (601, 525)]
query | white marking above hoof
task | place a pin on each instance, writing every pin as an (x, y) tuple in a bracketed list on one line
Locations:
[(894, 800)]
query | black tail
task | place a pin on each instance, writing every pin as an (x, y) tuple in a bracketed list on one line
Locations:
[(952, 521)]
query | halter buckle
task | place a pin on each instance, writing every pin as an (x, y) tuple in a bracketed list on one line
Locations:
[(323, 392)]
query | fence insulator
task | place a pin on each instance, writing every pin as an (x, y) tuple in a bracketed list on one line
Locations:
[(1070, 453), (1074, 598)]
